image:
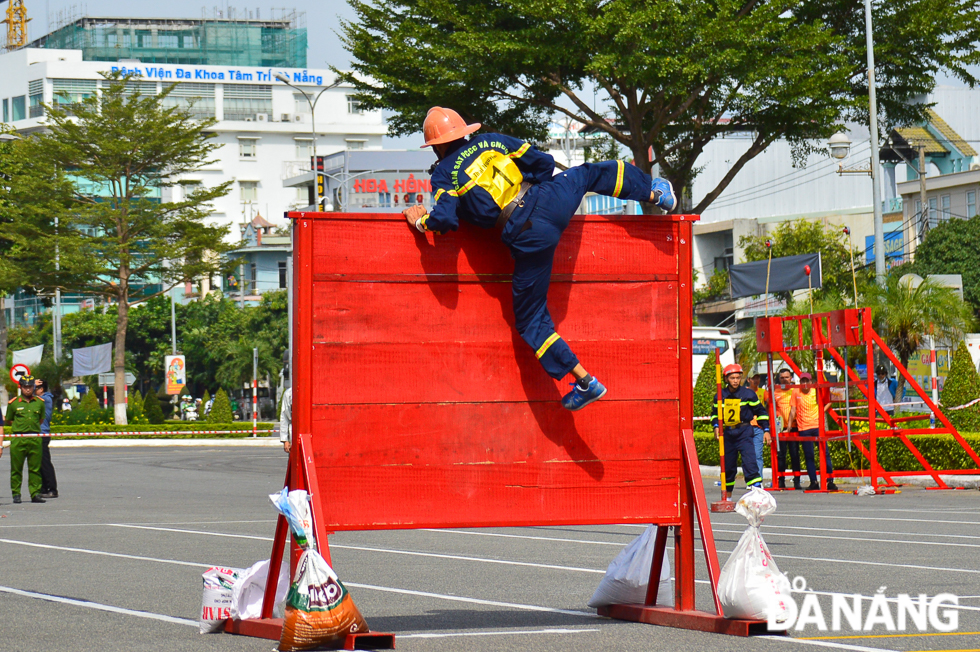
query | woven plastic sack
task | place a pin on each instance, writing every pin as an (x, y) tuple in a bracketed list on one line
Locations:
[(216, 601), (751, 586), (319, 610), (628, 575)]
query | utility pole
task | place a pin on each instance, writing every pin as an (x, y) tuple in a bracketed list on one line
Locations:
[(875, 181), (56, 322), (173, 323), (255, 388)]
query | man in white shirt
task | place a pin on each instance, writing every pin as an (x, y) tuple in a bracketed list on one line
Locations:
[(286, 420)]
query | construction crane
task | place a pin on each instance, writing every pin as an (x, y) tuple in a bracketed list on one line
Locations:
[(16, 22)]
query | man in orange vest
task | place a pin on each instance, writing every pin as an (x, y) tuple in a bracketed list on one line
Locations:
[(492, 180)]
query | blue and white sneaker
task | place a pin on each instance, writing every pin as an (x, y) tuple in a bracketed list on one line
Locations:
[(578, 398), (663, 194)]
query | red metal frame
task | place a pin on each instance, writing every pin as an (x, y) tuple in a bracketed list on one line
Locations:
[(852, 327), (646, 477)]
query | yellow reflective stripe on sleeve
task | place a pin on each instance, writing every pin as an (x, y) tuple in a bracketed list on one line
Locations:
[(519, 153), (439, 193), (547, 344), (452, 193), (465, 189), (620, 171)]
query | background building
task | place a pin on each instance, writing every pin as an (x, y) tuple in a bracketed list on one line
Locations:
[(223, 69)]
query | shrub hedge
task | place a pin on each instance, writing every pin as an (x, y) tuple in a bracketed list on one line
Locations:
[(942, 452), (176, 430)]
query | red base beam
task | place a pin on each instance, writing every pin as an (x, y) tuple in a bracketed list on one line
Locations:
[(697, 620)]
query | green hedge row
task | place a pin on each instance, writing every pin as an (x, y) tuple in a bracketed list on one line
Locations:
[(176, 430), (942, 452)]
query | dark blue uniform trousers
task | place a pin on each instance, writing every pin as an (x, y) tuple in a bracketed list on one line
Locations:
[(533, 250), (740, 441)]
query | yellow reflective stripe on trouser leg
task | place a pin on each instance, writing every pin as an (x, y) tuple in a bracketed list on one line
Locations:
[(547, 344), (620, 171)]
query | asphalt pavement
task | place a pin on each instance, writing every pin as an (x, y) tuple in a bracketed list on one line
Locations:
[(115, 563)]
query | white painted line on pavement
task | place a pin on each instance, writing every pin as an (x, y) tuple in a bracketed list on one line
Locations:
[(930, 521), (769, 526), (96, 605), (103, 553), (515, 633), (384, 550), (770, 533), (836, 646), (491, 603), (2, 527)]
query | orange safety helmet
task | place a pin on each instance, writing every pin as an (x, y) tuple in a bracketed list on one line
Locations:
[(732, 369), (444, 126)]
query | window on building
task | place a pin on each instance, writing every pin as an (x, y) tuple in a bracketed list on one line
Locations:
[(933, 212), (247, 101), (18, 106), (252, 278), (302, 105), (303, 195), (168, 40), (250, 190), (68, 92), (944, 203), (971, 203), (354, 143), (6, 110), (35, 91), (196, 99), (353, 106), (282, 275), (304, 149), (247, 147), (144, 38), (111, 39), (144, 88)]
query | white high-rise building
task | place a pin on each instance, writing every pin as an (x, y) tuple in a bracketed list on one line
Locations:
[(264, 126)]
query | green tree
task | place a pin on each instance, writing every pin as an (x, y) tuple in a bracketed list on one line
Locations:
[(962, 386), (904, 313), (221, 412), (676, 75), (705, 393), (951, 248), (89, 403), (121, 240), (716, 288), (151, 408), (804, 237), (134, 409), (235, 369)]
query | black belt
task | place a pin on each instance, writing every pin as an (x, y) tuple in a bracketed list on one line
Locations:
[(517, 202)]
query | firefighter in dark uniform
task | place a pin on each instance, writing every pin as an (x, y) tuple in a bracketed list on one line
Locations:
[(492, 180), (739, 405)]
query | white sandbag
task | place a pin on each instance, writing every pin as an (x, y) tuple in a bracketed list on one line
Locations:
[(216, 601), (248, 592), (627, 577), (750, 585)]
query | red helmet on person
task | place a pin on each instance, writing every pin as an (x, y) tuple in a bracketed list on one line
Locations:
[(444, 126), (732, 369)]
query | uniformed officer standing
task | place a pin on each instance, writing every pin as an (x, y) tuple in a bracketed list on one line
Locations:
[(737, 408), (24, 416), (492, 180)]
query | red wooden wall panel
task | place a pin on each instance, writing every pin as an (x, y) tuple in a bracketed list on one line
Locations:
[(495, 433), (424, 372), (388, 247), (474, 311), (391, 497), (428, 410)]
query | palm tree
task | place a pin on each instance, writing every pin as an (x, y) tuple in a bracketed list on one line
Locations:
[(904, 313), (235, 369)]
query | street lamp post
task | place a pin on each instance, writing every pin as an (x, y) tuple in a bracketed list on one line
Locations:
[(312, 102), (840, 145)]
